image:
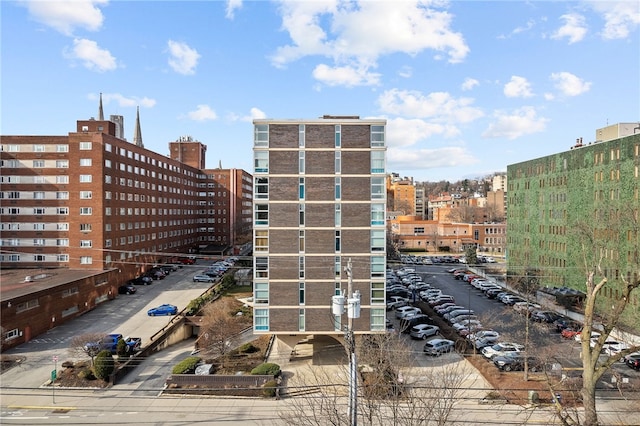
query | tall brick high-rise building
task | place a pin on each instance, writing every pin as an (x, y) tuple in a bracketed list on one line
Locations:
[(319, 205)]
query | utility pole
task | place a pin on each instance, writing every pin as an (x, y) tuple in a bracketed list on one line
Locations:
[(353, 311)]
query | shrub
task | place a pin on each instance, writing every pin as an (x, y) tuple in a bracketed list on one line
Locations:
[(86, 374), (266, 368), (187, 365), (121, 347), (248, 348), (67, 364), (103, 365), (269, 388)]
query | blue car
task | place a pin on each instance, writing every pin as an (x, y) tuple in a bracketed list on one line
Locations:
[(165, 309)]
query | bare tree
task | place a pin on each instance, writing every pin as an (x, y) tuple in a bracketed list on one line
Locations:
[(87, 344), (221, 325), (603, 321), (391, 389)]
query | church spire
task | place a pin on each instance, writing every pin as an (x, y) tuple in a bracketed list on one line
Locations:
[(100, 110), (137, 136)]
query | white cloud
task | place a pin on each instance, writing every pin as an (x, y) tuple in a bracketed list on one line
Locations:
[(91, 55), (351, 33), (621, 18), (518, 87), (65, 16), (345, 76), (254, 113), (469, 83), (405, 72), (232, 5), (574, 28), (523, 121), (202, 113), (429, 158), (183, 59), (569, 84), (438, 105), (402, 132), (124, 101), (518, 30)]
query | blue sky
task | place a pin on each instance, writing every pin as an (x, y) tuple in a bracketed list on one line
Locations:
[(467, 87)]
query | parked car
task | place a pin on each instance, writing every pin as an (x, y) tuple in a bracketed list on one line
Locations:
[(143, 280), (110, 343), (407, 311), (515, 362), (437, 347), (165, 309), (202, 278), (127, 289), (563, 322), (466, 325), (406, 324), (500, 349), (545, 316), (610, 346), (422, 331), (633, 360)]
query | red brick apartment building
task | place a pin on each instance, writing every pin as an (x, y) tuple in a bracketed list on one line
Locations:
[(99, 210), (319, 204)]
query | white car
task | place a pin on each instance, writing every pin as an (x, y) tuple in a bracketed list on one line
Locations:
[(501, 349), (610, 346), (422, 331), (467, 324), (406, 311), (482, 334)]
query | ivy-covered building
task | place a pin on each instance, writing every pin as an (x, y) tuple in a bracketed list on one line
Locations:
[(575, 209)]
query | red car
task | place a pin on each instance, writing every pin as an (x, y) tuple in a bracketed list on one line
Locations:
[(569, 333)]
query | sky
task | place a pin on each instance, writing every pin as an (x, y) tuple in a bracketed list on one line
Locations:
[(466, 87)]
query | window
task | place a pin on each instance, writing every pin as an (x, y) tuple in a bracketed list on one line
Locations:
[(261, 188), (301, 320), (38, 164), (301, 293), (338, 161), (62, 242), (261, 135), (338, 215), (38, 241), (85, 243), (85, 161), (378, 240), (261, 293), (85, 178), (377, 293), (377, 214), (36, 226), (337, 240), (21, 307), (301, 241), (85, 195), (377, 188), (69, 291), (338, 188), (338, 137), (377, 136), (377, 161), (85, 146), (300, 161), (62, 210), (261, 319), (301, 188), (337, 266), (38, 148), (85, 227), (84, 211), (62, 179), (39, 210), (11, 334), (261, 162), (377, 266), (378, 319), (62, 164), (38, 195), (301, 266), (86, 260), (301, 214), (261, 241), (301, 136), (62, 258), (62, 148), (261, 267), (62, 195), (261, 214), (13, 194)]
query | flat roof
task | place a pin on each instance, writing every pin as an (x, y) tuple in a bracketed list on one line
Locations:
[(13, 283)]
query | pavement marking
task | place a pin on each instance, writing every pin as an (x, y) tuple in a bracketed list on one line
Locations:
[(40, 407)]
